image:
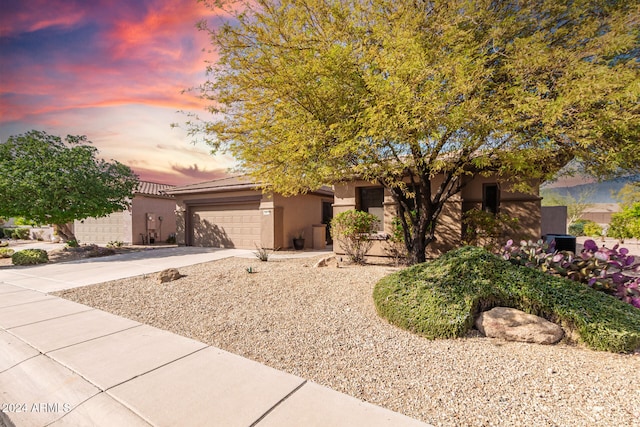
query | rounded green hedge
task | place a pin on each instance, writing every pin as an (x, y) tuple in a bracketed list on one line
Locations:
[(441, 298), (30, 257)]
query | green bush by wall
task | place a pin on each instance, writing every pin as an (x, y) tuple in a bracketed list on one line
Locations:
[(30, 257)]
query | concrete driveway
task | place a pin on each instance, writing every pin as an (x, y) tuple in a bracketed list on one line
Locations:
[(66, 275)]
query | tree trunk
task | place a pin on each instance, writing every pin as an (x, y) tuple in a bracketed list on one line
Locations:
[(65, 232), (421, 238), (418, 223), (419, 211)]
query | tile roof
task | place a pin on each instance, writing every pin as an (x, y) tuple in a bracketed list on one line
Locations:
[(241, 182), (232, 183), (152, 188)]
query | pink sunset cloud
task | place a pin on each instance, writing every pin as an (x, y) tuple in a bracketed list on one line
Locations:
[(35, 15), (116, 71)]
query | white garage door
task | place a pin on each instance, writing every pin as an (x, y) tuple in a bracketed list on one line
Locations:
[(226, 226)]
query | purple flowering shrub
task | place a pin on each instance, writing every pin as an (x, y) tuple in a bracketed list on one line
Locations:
[(613, 271)]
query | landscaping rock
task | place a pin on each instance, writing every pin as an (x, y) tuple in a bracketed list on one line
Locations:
[(327, 261), (169, 275), (514, 325)]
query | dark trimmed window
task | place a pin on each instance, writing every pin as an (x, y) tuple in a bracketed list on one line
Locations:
[(371, 199), (490, 198)]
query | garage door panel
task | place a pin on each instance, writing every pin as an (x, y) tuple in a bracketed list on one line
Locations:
[(101, 230), (228, 226)]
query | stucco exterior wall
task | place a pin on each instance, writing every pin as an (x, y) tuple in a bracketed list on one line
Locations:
[(299, 214), (553, 220), (165, 218), (281, 218), (525, 207), (448, 231)]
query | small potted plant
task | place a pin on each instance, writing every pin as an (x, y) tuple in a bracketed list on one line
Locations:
[(298, 241)]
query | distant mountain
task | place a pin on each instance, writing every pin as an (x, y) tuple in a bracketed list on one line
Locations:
[(602, 191)]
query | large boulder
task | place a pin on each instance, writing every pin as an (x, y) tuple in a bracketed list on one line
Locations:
[(169, 275), (514, 325)]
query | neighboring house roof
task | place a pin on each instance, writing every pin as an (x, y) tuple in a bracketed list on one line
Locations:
[(232, 183), (603, 207), (148, 188)]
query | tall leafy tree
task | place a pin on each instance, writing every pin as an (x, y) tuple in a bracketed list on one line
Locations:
[(628, 194), (575, 205), (418, 95), (51, 181)]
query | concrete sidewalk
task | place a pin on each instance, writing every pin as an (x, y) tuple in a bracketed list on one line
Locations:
[(67, 364)]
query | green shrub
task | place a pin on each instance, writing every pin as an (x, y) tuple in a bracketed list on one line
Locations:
[(73, 243), (626, 224), (8, 232), (489, 230), (592, 229), (576, 228), (441, 298), (30, 256), (395, 247), (353, 231), (20, 233), (23, 221), (6, 252)]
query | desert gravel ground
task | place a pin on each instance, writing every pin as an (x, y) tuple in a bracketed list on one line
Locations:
[(321, 324)]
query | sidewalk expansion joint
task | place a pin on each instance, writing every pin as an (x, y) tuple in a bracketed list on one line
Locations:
[(87, 340), (144, 373), (256, 422), (20, 363), (44, 320)]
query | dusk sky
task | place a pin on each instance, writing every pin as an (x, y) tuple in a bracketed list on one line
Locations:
[(113, 70)]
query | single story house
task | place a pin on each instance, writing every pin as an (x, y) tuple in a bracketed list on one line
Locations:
[(235, 212), (601, 213), (481, 192), (150, 219)]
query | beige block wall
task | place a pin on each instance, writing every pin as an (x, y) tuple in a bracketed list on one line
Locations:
[(448, 229), (529, 214)]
